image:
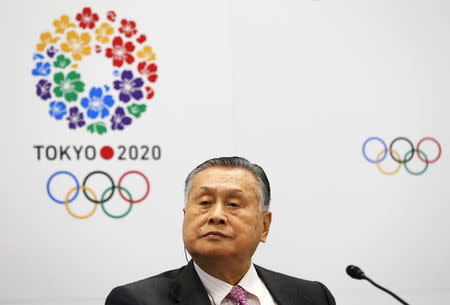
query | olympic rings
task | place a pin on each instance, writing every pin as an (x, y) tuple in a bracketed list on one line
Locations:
[(397, 158), (105, 197)]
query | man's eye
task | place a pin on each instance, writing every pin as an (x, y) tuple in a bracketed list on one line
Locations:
[(204, 203), (233, 205)]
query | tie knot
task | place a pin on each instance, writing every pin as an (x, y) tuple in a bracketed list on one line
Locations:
[(237, 295)]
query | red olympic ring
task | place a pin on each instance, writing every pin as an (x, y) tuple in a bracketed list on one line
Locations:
[(432, 140), (146, 182)]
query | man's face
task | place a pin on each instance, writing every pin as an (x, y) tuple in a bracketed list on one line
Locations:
[(222, 216)]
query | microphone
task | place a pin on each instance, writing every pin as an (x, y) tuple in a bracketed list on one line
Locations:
[(356, 273)]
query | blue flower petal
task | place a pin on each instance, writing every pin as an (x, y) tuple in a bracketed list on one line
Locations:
[(92, 114), (60, 114), (85, 102), (95, 92), (61, 106), (108, 100), (105, 113), (38, 56)]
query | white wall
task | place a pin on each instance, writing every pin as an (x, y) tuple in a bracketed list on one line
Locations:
[(295, 86)]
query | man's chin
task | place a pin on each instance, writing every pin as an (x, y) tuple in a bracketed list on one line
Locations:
[(211, 251)]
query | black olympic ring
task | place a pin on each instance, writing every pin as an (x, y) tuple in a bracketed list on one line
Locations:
[(391, 151), (112, 186)]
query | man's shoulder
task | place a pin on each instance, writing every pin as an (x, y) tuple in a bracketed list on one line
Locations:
[(152, 288), (278, 276), (312, 291), (164, 277)]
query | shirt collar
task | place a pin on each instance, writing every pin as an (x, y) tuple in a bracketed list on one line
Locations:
[(219, 289)]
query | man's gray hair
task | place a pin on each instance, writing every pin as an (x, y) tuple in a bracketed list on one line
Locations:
[(235, 162)]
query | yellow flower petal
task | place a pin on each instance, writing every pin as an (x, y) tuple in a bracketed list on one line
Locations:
[(65, 47), (76, 56), (40, 47), (72, 35), (86, 50), (85, 38), (46, 36)]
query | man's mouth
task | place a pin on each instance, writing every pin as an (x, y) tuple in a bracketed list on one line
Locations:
[(214, 234)]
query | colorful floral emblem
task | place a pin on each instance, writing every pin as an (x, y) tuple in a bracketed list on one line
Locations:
[(97, 108)]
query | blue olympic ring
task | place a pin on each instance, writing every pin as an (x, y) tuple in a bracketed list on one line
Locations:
[(364, 149), (59, 173)]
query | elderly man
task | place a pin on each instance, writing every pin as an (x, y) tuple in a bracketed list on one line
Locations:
[(226, 216)]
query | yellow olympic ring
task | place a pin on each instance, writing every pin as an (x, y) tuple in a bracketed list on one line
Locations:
[(66, 202), (377, 162)]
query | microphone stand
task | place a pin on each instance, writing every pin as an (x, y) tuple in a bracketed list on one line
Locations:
[(385, 290)]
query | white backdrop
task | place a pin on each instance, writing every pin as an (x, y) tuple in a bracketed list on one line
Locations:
[(295, 86)]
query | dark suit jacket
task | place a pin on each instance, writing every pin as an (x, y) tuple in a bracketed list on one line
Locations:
[(183, 287)]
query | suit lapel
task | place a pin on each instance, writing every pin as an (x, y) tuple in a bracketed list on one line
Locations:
[(187, 289), (282, 291)]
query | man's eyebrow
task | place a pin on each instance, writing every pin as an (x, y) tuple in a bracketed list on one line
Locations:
[(204, 189)]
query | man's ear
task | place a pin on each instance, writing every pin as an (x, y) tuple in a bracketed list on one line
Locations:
[(267, 220)]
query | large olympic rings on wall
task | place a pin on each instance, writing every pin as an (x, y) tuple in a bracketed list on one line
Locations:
[(413, 151), (107, 194)]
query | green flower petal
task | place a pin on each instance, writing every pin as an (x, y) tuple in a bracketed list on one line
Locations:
[(78, 86), (136, 109), (98, 127), (58, 91), (71, 96), (61, 62), (73, 75), (58, 77)]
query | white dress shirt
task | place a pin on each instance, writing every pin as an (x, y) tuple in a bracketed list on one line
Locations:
[(256, 291)]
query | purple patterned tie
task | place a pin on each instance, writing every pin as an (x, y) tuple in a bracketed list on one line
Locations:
[(237, 295)]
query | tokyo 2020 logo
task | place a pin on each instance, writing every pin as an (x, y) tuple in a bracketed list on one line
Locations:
[(97, 107)]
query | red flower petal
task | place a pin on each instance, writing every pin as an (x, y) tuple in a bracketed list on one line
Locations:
[(118, 62), (152, 78), (117, 41), (152, 68), (141, 67), (129, 46), (111, 15), (109, 53), (129, 58), (141, 38), (151, 93), (86, 11)]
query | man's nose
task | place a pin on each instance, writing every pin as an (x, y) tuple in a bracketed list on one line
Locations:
[(217, 214)]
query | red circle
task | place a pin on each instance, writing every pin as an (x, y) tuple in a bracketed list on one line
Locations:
[(146, 182), (107, 152), (432, 140)]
